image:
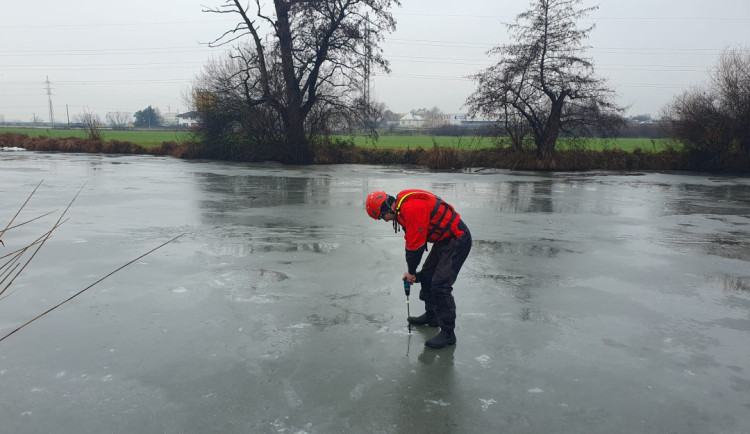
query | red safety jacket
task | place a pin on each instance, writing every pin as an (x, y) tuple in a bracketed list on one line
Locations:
[(425, 218)]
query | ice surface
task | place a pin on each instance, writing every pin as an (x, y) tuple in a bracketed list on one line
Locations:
[(591, 302)]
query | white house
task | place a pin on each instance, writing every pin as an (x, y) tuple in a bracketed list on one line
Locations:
[(411, 121), (189, 119)]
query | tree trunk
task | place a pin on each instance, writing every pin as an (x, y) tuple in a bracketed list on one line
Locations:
[(545, 143), (546, 149), (297, 147)]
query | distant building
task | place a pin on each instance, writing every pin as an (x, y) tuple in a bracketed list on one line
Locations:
[(464, 120), (169, 119), (189, 119), (411, 121), (457, 118)]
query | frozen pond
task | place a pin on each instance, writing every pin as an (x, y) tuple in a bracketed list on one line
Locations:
[(591, 302)]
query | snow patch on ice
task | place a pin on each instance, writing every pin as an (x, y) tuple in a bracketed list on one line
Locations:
[(486, 403), (281, 426), (257, 299), (438, 402), (179, 290), (484, 360), (299, 326), (535, 390)]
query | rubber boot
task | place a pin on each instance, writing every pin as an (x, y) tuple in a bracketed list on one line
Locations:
[(428, 318), (442, 339)]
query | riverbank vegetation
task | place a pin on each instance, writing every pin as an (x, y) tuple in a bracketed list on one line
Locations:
[(656, 155), (385, 139)]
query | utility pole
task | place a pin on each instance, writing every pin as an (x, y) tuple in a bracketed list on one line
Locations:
[(368, 56), (49, 97)]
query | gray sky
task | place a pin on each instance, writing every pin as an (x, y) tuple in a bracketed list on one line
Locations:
[(124, 56)]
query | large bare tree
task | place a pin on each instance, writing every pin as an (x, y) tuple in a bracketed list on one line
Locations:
[(304, 54), (714, 119), (544, 77)]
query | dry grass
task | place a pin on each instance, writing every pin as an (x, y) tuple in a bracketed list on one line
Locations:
[(21, 253), (77, 144), (447, 158)]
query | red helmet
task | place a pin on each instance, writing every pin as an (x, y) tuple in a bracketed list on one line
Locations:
[(374, 203)]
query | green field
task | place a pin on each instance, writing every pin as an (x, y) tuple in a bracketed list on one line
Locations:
[(155, 138), (469, 142), (141, 137)]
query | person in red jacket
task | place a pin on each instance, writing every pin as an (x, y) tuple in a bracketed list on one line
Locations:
[(425, 218)]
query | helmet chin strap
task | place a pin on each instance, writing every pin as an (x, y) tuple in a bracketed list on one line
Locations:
[(396, 226)]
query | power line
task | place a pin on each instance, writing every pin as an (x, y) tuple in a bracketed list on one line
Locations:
[(152, 23), (410, 41), (438, 15)]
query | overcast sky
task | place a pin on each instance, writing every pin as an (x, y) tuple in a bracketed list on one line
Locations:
[(106, 56)]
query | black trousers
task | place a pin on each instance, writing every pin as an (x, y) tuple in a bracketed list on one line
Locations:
[(439, 273)]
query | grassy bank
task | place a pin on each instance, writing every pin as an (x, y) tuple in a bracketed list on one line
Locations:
[(78, 144), (150, 139), (433, 157), (145, 138), (474, 142)]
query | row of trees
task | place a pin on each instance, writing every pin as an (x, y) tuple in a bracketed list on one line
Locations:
[(298, 70), (118, 120), (306, 63)]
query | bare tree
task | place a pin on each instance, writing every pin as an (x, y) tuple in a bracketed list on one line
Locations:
[(433, 117), (544, 77), (713, 119), (119, 120), (91, 124), (305, 54)]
